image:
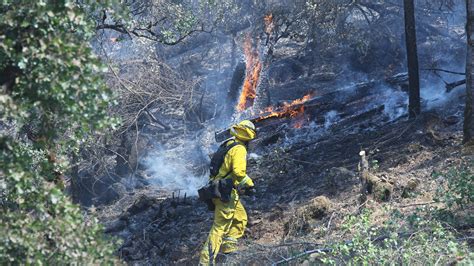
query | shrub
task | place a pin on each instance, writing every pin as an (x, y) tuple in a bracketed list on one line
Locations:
[(400, 240), (52, 98), (457, 188)]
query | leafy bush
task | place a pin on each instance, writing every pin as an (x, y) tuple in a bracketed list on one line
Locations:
[(457, 188), (420, 238), (400, 240), (52, 98)]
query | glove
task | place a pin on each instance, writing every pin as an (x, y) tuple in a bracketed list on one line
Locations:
[(250, 191), (246, 186)]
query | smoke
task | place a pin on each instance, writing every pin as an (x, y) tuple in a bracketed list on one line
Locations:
[(175, 169), (330, 118), (170, 169), (395, 103)]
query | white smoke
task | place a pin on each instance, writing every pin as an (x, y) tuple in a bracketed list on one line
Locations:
[(395, 103), (330, 118), (171, 170), (434, 96)]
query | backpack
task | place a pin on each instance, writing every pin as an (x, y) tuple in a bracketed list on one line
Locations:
[(220, 189), (218, 158)]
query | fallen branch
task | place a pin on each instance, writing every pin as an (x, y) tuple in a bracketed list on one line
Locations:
[(289, 244), (416, 204), (444, 70), (154, 119), (318, 250), (452, 85)]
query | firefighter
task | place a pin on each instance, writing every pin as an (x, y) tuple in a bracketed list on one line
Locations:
[(230, 218)]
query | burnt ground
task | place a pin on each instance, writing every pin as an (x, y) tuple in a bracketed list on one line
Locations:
[(159, 228), (293, 167)]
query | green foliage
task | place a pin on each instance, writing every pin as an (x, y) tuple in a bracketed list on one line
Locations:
[(457, 188), (400, 240), (51, 87), (375, 164), (420, 238)]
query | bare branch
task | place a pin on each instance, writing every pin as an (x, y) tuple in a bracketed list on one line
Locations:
[(444, 70)]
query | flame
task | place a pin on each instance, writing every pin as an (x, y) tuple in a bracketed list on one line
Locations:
[(294, 109), (268, 19), (253, 67)]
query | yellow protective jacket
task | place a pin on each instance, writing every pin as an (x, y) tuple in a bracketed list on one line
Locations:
[(235, 163)]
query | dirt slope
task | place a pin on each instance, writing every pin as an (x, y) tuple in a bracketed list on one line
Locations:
[(284, 216)]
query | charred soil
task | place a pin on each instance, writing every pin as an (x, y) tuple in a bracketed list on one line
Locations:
[(304, 192)]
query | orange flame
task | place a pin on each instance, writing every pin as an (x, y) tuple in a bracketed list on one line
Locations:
[(294, 109), (268, 19), (253, 67)]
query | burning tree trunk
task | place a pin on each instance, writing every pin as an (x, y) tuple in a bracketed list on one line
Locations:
[(253, 66), (469, 109), (412, 58), (263, 98)]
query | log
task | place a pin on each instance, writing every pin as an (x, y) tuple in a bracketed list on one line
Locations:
[(317, 110), (352, 120), (346, 101), (398, 79)]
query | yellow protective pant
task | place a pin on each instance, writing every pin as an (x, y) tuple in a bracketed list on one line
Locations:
[(230, 220)]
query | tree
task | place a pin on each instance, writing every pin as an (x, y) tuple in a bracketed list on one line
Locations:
[(469, 109), (52, 98), (412, 58), (166, 22)]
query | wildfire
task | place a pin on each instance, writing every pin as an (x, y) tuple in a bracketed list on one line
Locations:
[(294, 109), (253, 66), (268, 19)]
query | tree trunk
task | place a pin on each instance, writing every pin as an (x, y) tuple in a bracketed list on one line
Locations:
[(412, 58), (122, 165), (469, 109)]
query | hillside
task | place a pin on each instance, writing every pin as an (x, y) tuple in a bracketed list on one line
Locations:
[(315, 111), (363, 114)]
